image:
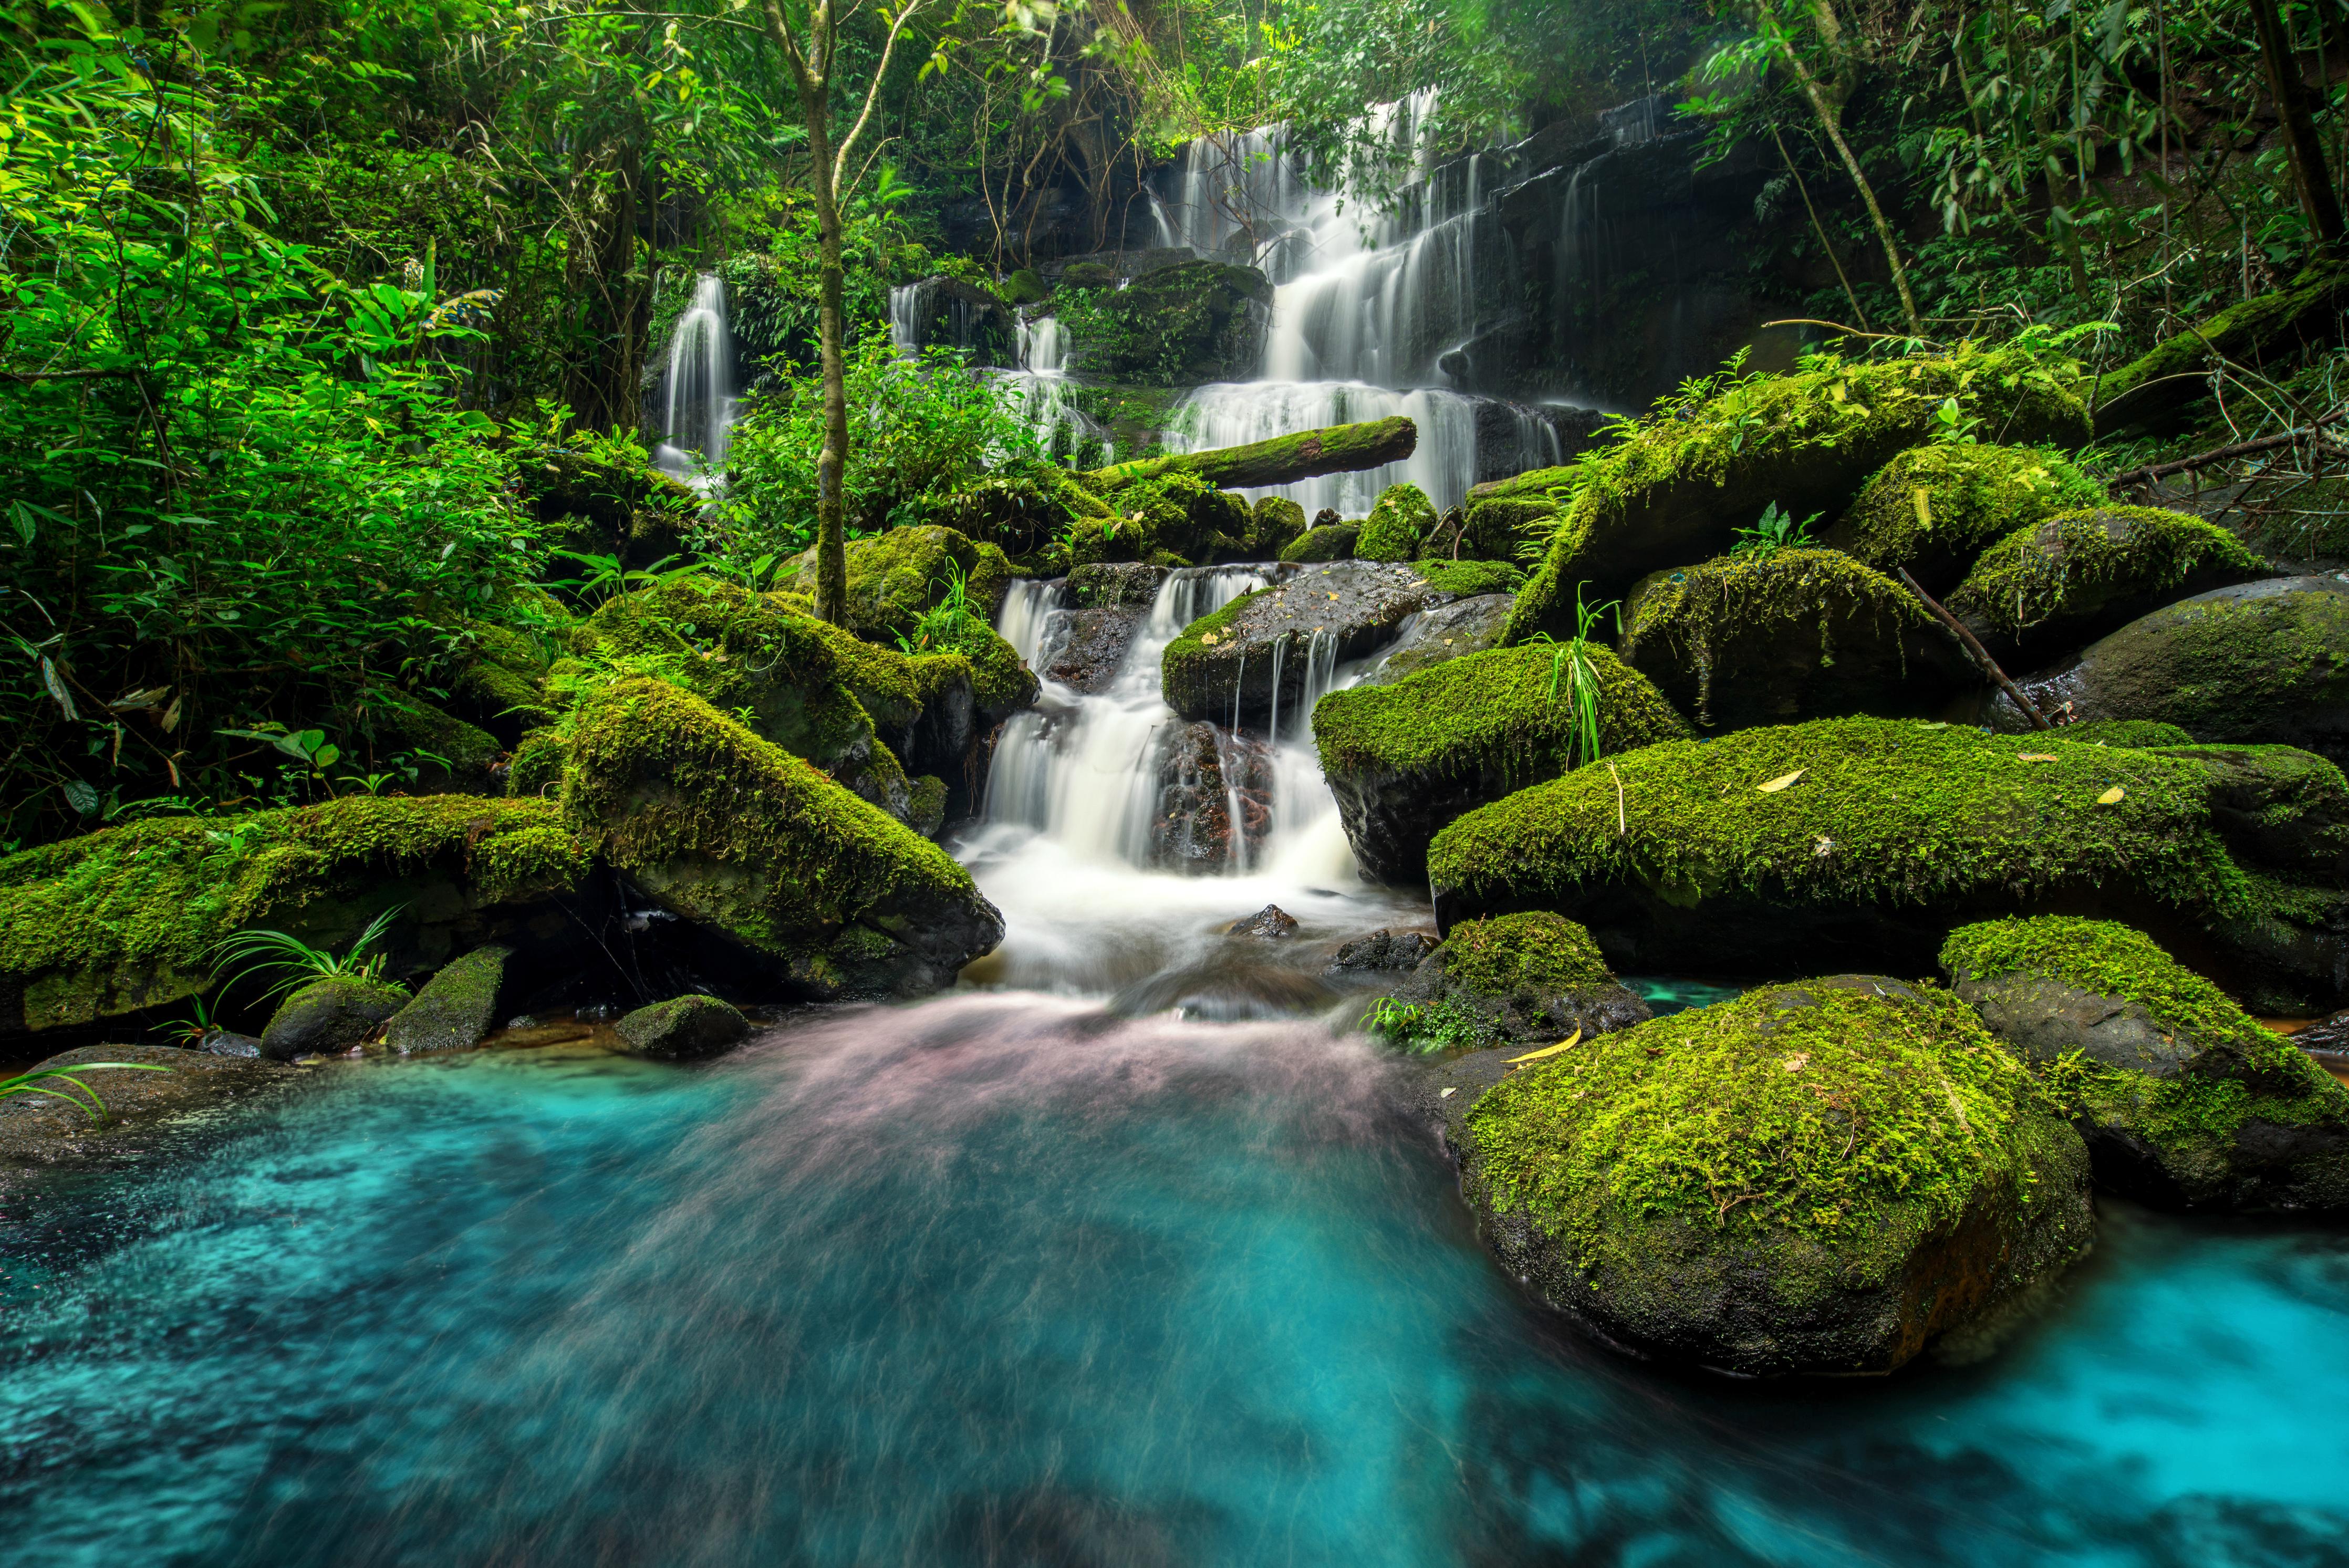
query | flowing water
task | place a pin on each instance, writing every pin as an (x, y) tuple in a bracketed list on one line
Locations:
[(698, 394)]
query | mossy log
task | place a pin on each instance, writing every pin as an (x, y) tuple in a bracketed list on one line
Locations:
[(2173, 373), (1284, 459)]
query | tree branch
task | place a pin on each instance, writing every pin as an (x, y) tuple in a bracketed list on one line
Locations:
[(873, 92)]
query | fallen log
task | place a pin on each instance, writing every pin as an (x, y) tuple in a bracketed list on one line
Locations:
[(2152, 389), (1284, 459)]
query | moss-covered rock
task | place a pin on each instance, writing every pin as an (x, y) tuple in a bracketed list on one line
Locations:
[(1820, 1177), (1874, 838), (1330, 542), (1407, 758), (535, 769), (2183, 1097), (498, 684), (1203, 321), (684, 1028), (826, 894), (2062, 582), (1677, 488), (1180, 515), (896, 577), (1770, 638), (1441, 635), (1025, 287), (1512, 981), (329, 1015), (456, 1008), (131, 916), (2128, 732), (1470, 577), (2262, 662), (2151, 387), (447, 752), (1253, 655), (1275, 523), (1402, 516), (1933, 509)]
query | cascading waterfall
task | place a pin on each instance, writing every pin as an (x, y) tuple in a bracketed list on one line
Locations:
[(1041, 389), (698, 393)]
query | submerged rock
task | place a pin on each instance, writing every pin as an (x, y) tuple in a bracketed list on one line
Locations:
[(1269, 923), (456, 1008), (815, 890), (2183, 1098), (37, 1128), (1933, 509), (1793, 634), (2265, 661), (1405, 760), (1231, 663), (1514, 979), (329, 1015), (1820, 1177), (2058, 584), (684, 1028)]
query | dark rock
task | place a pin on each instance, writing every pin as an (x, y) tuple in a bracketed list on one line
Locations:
[(1086, 647), (1515, 979), (456, 1008), (2326, 1034), (1201, 769), (1326, 516), (684, 1028), (1270, 922), (228, 1042), (1114, 584), (1383, 951), (1263, 641), (38, 1128), (2261, 663), (328, 1015), (1447, 632)]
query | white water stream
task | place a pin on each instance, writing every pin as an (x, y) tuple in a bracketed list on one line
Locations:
[(698, 398)]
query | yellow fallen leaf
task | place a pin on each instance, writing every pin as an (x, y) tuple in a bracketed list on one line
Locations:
[(1924, 505), (1333, 598), (1797, 1062), (1780, 781), (2111, 795), (1566, 1044), (2036, 757)]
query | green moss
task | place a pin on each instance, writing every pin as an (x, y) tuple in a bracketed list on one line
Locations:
[(1331, 542), (499, 686), (1769, 628), (1507, 527), (730, 829), (1402, 518), (1025, 287), (1468, 578), (1933, 508), (536, 770), (401, 721), (1508, 953), (999, 681), (1197, 641), (1674, 489), (894, 577), (1884, 813), (1188, 324), (2236, 332), (2111, 960), (128, 917), (1856, 1118), (1274, 523), (1502, 711), (2070, 567), (1181, 513), (2127, 733)]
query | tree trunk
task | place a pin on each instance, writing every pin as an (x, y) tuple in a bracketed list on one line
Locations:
[(2317, 197), (1284, 459), (1831, 119), (831, 458)]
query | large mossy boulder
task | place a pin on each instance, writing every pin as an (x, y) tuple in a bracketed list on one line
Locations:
[(329, 1015), (1176, 518), (1933, 509), (1821, 1177), (445, 752), (2061, 583), (1774, 638), (1676, 488), (1199, 322), (2184, 1099), (896, 577), (2262, 662), (1407, 758), (499, 681), (1330, 542), (1402, 518), (132, 917), (812, 886), (1527, 980), (1853, 840), (1253, 655)]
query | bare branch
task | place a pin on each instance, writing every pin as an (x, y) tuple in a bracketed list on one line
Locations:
[(873, 91)]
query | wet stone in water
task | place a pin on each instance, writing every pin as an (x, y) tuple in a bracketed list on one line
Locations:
[(1269, 922)]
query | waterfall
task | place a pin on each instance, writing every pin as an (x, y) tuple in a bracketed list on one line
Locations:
[(1040, 392), (1364, 307), (904, 334), (698, 392)]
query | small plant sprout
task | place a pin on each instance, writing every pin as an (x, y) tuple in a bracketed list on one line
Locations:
[(1572, 675), (63, 1083), (296, 963), (1774, 531)]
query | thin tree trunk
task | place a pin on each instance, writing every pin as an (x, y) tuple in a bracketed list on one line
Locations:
[(2317, 197), (831, 458), (1821, 230), (1830, 119)]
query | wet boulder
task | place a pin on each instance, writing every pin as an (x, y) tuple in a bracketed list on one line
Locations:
[(2183, 1097), (1405, 760), (1933, 509), (2261, 662), (1858, 840), (1771, 638), (458, 1007), (1275, 523), (684, 1028), (2058, 584), (1255, 653), (1203, 321), (1437, 635), (329, 1015), (40, 1130), (1323, 542), (1402, 517), (1825, 1175), (1678, 487), (1271, 923), (1206, 775), (132, 917), (1383, 951), (1525, 981), (801, 886)]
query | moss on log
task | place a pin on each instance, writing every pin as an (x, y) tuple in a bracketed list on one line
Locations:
[(1284, 459)]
